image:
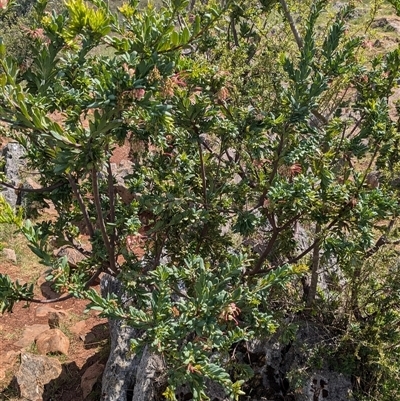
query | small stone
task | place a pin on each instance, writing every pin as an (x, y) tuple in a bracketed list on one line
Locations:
[(45, 310), (90, 377), (52, 340), (9, 254), (29, 335), (36, 371)]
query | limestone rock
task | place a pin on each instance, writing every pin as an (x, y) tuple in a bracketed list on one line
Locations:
[(36, 371), (52, 340), (121, 368), (9, 254), (149, 376), (124, 371), (327, 385), (272, 361), (29, 335), (13, 154), (90, 377)]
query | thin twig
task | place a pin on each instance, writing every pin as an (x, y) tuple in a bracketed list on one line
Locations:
[(81, 203), (314, 268), (203, 177), (111, 196)]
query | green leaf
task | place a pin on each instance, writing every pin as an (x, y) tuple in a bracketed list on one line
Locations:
[(185, 35), (175, 39)]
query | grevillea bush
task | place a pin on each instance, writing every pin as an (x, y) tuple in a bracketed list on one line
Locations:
[(245, 128)]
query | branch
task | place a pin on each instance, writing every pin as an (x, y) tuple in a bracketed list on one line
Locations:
[(96, 196), (111, 196), (65, 297), (270, 245), (234, 32), (273, 172), (37, 190), (292, 24)]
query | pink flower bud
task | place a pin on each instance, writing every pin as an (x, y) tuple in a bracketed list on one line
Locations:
[(139, 93)]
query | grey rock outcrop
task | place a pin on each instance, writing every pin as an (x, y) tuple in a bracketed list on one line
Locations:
[(283, 369), (327, 385), (121, 367), (127, 373), (13, 154), (34, 372), (149, 371)]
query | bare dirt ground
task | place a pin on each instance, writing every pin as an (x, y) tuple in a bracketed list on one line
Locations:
[(87, 332)]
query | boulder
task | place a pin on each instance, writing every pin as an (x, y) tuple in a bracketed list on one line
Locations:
[(149, 376), (34, 372), (327, 385), (52, 340)]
